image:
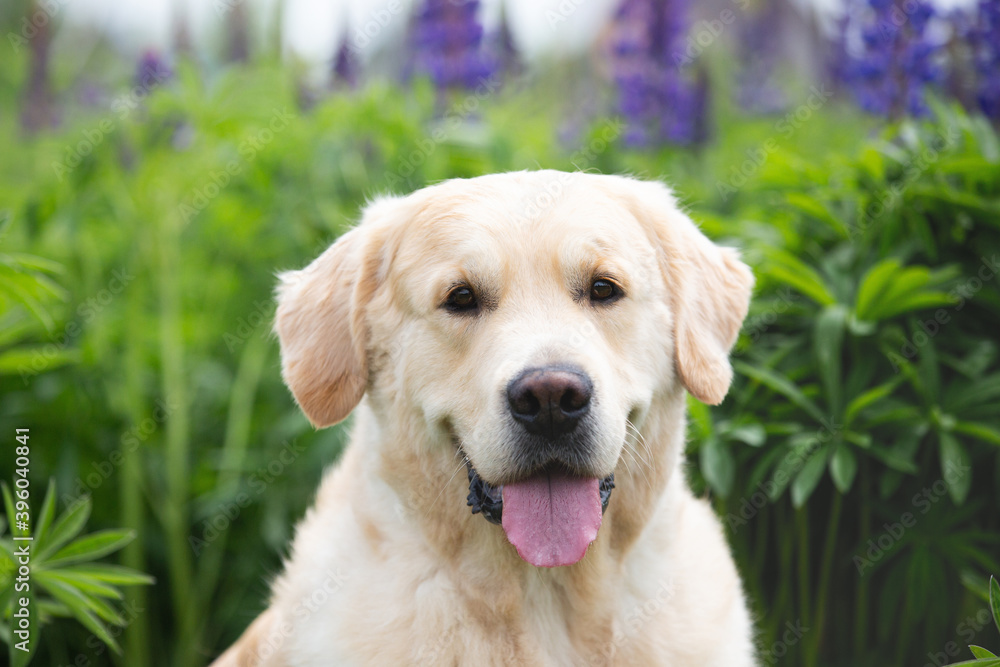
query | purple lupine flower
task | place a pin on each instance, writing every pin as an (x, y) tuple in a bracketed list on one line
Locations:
[(152, 70), (759, 54), (345, 64), (502, 49), (893, 60), (447, 39), (986, 57), (658, 92)]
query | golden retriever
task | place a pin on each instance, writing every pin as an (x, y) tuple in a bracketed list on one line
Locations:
[(518, 344)]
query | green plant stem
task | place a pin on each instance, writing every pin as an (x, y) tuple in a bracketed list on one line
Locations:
[(802, 532), (177, 443), (825, 570), (862, 602), (136, 641), (234, 448), (784, 606), (760, 533)]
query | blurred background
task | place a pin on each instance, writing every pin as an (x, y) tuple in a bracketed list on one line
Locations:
[(161, 161)]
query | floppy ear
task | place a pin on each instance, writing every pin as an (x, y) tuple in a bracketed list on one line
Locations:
[(320, 323), (709, 290)]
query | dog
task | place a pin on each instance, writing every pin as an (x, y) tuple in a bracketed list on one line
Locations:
[(515, 349)]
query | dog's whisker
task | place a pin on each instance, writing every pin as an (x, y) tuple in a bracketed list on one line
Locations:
[(625, 461), (642, 441), (631, 451), (638, 453), (637, 437), (465, 459)]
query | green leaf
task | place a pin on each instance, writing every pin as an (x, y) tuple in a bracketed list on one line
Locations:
[(828, 338), (995, 601), (92, 547), (82, 609), (782, 385), (895, 460), (110, 574), (874, 283), (66, 527), (790, 270), (49, 580), (37, 358), (888, 290), (869, 398), (751, 434), (818, 210), (980, 652), (956, 466), (980, 431), (45, 515), (717, 466), (700, 418), (84, 583), (843, 467), (808, 478)]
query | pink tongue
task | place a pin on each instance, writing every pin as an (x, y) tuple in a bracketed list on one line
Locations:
[(551, 519)]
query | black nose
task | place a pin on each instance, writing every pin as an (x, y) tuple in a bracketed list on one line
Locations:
[(549, 401)]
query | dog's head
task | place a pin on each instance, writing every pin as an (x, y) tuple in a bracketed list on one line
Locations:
[(530, 319)]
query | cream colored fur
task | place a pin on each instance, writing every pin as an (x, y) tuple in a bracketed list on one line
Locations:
[(390, 567)]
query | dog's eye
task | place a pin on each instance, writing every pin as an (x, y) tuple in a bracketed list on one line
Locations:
[(604, 290), (461, 299)]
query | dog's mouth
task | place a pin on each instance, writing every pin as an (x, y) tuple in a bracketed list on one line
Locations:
[(550, 517)]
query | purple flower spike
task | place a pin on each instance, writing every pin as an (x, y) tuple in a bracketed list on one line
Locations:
[(152, 70), (447, 38), (659, 94), (345, 64), (893, 59), (985, 40)]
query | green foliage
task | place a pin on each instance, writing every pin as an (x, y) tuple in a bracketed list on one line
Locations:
[(983, 656), (878, 372), (867, 373), (64, 582)]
